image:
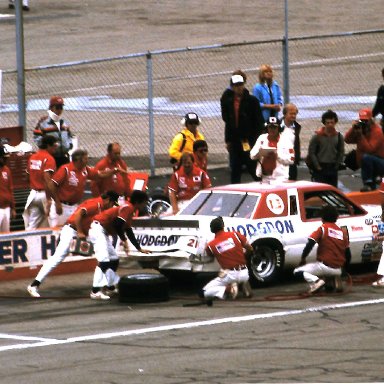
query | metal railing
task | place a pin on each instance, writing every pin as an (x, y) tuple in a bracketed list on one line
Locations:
[(139, 99)]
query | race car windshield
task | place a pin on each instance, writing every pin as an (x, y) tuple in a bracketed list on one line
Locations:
[(222, 204)]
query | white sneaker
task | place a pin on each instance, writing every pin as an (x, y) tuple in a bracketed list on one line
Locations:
[(234, 291), (33, 291), (246, 289), (99, 296), (378, 283), (110, 292), (314, 287)]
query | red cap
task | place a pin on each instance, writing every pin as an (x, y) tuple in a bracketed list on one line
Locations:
[(365, 114), (56, 100)]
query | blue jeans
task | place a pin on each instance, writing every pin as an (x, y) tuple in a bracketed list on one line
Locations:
[(371, 167)]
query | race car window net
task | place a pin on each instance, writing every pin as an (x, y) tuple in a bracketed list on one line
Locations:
[(222, 204), (315, 200)]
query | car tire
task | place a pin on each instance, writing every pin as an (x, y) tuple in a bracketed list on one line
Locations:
[(143, 288), (157, 205), (266, 263)]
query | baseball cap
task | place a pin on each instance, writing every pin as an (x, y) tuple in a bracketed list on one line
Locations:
[(113, 196), (56, 100), (237, 79), (365, 114), (192, 118), (272, 122)]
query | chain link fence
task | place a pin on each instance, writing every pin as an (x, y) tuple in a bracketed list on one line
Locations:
[(139, 100)]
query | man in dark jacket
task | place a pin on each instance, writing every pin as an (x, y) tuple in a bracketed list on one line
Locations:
[(244, 123)]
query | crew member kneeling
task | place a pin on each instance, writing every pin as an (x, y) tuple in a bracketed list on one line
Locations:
[(228, 248), (332, 253)]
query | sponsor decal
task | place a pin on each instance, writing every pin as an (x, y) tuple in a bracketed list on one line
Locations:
[(356, 228), (160, 240), (263, 228), (275, 203)]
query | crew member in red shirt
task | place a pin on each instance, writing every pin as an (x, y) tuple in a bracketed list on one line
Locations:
[(228, 248), (68, 185), (77, 225), (7, 201), (113, 221), (332, 253), (41, 166), (186, 182), (118, 182)]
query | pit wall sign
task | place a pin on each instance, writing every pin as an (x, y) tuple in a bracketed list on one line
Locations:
[(29, 248)]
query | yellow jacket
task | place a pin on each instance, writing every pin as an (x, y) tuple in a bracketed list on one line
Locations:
[(177, 142)]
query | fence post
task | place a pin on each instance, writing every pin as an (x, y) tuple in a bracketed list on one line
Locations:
[(20, 66), (285, 56), (150, 114)]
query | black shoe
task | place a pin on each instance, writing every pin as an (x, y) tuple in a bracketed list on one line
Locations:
[(25, 8), (11, 6)]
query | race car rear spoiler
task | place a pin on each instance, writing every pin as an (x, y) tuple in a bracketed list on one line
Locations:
[(164, 223)]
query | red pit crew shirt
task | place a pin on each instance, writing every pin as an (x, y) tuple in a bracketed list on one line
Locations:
[(227, 247), (92, 207), (186, 186), (71, 182), (40, 162)]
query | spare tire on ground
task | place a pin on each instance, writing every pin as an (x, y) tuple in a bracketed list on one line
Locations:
[(143, 288)]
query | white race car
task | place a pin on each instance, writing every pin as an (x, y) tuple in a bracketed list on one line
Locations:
[(276, 219)]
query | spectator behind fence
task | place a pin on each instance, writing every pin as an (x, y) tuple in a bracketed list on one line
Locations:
[(268, 93), (369, 140), (379, 103), (183, 141), (292, 128), (7, 201), (54, 125), (40, 168), (117, 182), (244, 123), (326, 150), (274, 153), (186, 182), (200, 153)]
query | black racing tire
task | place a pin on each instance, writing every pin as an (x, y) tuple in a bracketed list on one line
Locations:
[(143, 288), (267, 262), (158, 204)]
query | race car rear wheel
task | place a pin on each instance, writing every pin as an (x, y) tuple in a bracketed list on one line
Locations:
[(266, 262), (158, 205), (143, 288)]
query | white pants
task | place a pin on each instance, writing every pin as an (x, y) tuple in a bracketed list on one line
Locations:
[(5, 217), (217, 286), (104, 252), (313, 271), (61, 252), (380, 268), (56, 220), (34, 214)]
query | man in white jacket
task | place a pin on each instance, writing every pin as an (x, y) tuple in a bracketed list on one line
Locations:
[(274, 152)]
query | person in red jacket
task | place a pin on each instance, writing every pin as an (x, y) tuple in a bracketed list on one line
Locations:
[(41, 167), (7, 201), (333, 252), (77, 225), (118, 182), (369, 138), (228, 248), (113, 221), (186, 182)]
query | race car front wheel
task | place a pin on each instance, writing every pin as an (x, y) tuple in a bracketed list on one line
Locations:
[(265, 264)]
